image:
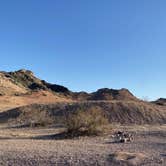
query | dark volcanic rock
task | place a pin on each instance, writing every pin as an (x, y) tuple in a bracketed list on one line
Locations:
[(161, 101), (35, 86), (55, 88), (112, 94), (27, 79)]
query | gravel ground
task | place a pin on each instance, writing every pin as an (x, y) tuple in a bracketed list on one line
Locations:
[(17, 147)]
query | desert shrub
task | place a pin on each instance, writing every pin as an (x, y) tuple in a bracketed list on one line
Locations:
[(35, 119), (41, 121), (85, 122)]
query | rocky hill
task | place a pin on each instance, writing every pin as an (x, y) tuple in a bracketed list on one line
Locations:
[(161, 101), (24, 81), (23, 96), (112, 94)]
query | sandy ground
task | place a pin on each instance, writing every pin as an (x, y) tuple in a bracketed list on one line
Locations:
[(37, 147), (8, 102)]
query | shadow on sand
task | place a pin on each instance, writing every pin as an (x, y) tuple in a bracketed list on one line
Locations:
[(64, 135), (59, 136)]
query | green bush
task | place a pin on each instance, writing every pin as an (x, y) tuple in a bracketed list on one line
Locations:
[(85, 122)]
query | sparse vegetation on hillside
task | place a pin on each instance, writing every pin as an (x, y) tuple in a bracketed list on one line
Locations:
[(37, 118), (116, 111)]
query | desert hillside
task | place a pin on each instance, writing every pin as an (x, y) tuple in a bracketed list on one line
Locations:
[(32, 122), (23, 96), (23, 82), (122, 112), (22, 87)]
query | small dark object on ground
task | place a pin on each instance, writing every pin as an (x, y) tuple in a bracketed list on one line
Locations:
[(123, 137)]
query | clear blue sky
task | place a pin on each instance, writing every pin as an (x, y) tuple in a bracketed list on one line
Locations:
[(88, 44)]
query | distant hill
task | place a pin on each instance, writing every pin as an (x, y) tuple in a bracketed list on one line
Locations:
[(161, 101), (112, 94), (24, 96), (24, 81)]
